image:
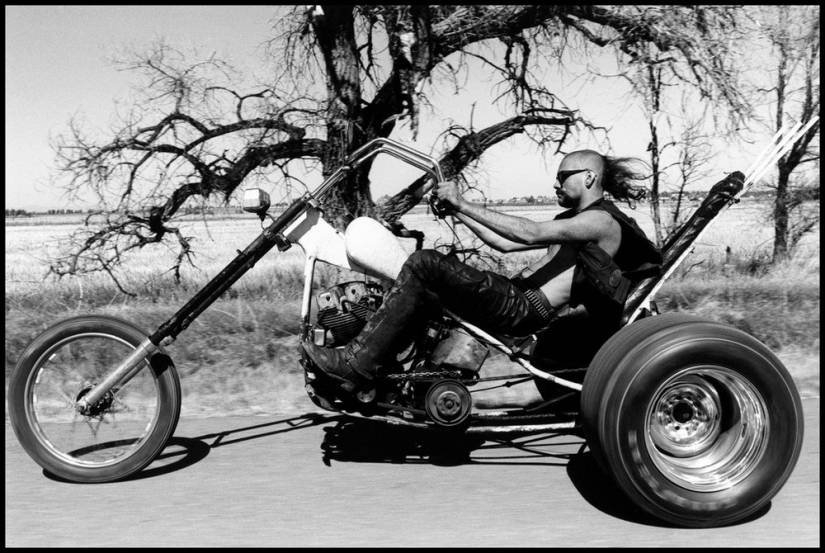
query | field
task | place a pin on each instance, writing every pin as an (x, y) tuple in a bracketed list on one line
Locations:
[(240, 356)]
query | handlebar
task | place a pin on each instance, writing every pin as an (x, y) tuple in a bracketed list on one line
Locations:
[(400, 151)]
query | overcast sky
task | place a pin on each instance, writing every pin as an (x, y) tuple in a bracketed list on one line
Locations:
[(56, 68)]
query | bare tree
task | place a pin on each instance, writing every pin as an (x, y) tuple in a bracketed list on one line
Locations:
[(345, 75), (695, 153), (794, 36), (679, 150)]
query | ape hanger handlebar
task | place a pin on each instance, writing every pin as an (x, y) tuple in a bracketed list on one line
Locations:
[(398, 150)]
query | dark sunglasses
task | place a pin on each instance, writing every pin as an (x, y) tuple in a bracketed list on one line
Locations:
[(564, 175)]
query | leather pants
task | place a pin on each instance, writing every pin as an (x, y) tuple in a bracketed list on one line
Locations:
[(430, 281)]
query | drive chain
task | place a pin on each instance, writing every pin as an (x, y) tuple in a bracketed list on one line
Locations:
[(424, 375)]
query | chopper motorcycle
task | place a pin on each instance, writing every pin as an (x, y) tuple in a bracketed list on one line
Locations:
[(697, 422)]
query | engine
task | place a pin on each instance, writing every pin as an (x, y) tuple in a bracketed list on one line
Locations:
[(432, 370), (343, 310)]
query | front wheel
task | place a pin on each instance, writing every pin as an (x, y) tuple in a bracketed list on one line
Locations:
[(697, 422), (119, 435)]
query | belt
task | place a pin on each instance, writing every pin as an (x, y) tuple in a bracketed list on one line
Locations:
[(536, 298)]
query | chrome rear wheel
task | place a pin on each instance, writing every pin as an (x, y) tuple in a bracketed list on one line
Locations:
[(697, 442)]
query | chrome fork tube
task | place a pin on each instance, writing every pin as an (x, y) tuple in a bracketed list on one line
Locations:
[(124, 372)]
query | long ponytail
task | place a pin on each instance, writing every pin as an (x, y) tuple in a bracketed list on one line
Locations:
[(617, 176)]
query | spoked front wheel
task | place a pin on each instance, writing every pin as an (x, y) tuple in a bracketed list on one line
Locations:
[(121, 433)]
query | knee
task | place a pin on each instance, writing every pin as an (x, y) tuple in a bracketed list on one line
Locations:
[(424, 258), (422, 262)]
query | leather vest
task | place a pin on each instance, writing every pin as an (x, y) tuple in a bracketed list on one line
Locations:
[(600, 282)]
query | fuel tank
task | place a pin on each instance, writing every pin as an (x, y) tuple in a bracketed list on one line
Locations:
[(372, 246)]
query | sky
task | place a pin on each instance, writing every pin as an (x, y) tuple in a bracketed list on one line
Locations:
[(57, 68)]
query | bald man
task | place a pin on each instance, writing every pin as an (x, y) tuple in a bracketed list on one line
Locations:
[(590, 248)]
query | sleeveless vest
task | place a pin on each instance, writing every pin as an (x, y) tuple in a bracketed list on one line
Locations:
[(600, 282)]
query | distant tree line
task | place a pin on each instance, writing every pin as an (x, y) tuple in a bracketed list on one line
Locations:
[(810, 193), (24, 213), (806, 194)]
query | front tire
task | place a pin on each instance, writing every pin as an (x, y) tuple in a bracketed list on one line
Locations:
[(698, 423), (120, 435)]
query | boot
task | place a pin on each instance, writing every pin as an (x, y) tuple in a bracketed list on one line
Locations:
[(355, 366), (350, 371)]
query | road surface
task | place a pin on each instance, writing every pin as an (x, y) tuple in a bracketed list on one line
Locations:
[(316, 480)]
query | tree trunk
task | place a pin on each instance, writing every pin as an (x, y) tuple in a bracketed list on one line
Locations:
[(781, 215), (654, 79), (654, 185), (336, 40)]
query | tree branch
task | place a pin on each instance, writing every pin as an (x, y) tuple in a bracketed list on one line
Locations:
[(468, 149)]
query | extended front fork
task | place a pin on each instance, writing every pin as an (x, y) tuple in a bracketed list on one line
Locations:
[(169, 330)]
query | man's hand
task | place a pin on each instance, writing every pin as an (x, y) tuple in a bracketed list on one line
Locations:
[(448, 195)]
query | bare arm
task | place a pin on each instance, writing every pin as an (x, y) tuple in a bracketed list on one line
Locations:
[(584, 227), (492, 239), (588, 226)]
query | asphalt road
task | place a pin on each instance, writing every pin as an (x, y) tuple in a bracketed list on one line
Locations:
[(321, 480)]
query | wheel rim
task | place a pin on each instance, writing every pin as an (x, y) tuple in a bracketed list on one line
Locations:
[(122, 419), (706, 428)]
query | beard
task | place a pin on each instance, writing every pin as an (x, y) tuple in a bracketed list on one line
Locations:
[(564, 200)]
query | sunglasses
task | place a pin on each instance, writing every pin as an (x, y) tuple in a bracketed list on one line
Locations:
[(564, 175)]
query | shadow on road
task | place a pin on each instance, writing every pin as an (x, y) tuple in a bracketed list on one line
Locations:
[(364, 441), (291, 424), (182, 452), (178, 454), (602, 493), (368, 441)]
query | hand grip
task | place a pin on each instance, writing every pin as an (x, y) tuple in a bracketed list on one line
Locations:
[(436, 206)]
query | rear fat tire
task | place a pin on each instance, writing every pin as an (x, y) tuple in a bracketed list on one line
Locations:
[(697, 422), (27, 427), (602, 369)]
